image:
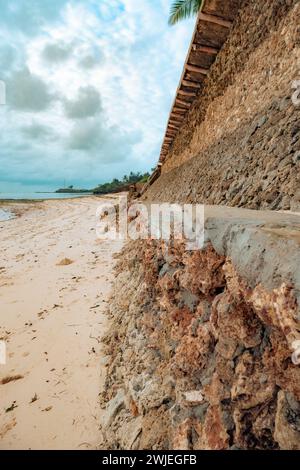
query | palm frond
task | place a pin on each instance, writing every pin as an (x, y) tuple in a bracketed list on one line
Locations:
[(182, 9)]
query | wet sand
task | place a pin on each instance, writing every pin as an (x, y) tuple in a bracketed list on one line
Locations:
[(55, 280)]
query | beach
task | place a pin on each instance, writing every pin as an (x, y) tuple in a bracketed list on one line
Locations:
[(55, 282)]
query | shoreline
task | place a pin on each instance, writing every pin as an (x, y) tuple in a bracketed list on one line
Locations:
[(9, 201)]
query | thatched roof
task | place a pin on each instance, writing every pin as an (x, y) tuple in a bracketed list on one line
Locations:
[(211, 31)]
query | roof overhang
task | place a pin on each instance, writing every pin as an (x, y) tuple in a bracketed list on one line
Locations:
[(211, 31)]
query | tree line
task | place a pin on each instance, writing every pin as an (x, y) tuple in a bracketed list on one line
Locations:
[(120, 184)]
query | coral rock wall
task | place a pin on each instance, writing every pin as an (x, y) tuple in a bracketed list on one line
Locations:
[(204, 345), (240, 143), (199, 359)]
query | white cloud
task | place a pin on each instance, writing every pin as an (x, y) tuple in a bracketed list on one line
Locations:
[(27, 92), (86, 104), (57, 52), (37, 131)]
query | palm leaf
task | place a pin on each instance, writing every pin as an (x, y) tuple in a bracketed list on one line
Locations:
[(182, 9)]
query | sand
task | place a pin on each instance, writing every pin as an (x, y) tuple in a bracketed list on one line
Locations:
[(55, 281)]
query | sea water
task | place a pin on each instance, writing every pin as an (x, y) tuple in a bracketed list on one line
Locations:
[(5, 215), (30, 196)]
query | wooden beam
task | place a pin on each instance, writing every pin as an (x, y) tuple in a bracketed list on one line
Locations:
[(175, 120), (179, 110), (186, 93), (180, 117), (170, 134), (215, 19), (183, 103), (191, 84), (172, 126), (205, 49), (177, 114), (195, 68)]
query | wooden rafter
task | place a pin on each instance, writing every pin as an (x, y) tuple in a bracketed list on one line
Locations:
[(186, 93), (205, 49), (214, 19), (183, 103), (177, 110), (191, 84), (195, 68)]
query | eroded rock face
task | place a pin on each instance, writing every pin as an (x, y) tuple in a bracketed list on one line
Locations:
[(199, 360)]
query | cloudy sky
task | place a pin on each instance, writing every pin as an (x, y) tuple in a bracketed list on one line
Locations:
[(89, 85)]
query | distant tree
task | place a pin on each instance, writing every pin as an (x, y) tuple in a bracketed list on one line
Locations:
[(71, 187), (145, 178), (182, 9), (126, 181)]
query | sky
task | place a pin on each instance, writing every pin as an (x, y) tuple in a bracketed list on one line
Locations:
[(89, 86)]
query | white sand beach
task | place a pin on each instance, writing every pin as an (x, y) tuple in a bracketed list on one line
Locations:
[(55, 280)]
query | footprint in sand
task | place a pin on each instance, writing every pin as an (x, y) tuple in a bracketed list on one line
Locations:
[(7, 427), (11, 378)]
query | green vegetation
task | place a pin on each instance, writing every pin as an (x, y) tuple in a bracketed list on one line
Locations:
[(71, 190), (182, 9), (121, 185), (113, 186)]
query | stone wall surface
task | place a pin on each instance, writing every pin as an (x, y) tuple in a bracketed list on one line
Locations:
[(204, 345), (240, 143)]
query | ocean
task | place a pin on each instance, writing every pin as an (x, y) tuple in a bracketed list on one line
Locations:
[(5, 215), (31, 196)]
